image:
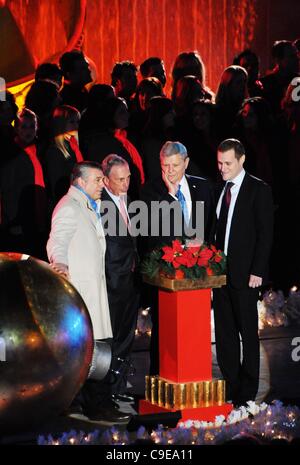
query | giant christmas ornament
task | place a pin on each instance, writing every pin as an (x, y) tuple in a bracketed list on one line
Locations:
[(46, 343)]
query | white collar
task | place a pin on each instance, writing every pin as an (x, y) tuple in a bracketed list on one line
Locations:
[(237, 181)]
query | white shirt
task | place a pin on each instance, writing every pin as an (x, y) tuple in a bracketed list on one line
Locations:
[(184, 187), (234, 193)]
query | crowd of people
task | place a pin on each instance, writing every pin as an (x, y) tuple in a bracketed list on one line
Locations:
[(77, 143)]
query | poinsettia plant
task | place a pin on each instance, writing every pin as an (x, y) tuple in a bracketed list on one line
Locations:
[(185, 260)]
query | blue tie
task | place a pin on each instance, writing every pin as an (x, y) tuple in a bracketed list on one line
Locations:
[(182, 201)]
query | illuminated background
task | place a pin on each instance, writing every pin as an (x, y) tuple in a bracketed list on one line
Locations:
[(33, 31)]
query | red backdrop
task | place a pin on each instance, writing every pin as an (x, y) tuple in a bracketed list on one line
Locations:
[(115, 30)]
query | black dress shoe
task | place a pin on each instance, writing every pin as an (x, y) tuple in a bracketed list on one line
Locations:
[(122, 398), (108, 415)]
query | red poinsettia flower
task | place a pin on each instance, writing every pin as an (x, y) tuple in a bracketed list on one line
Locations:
[(172, 254), (186, 259), (177, 246), (204, 256), (168, 254), (191, 258), (194, 250), (217, 258), (179, 274)]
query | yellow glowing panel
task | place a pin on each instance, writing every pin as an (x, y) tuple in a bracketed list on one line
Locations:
[(20, 92)]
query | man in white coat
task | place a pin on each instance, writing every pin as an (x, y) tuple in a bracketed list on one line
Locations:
[(76, 249)]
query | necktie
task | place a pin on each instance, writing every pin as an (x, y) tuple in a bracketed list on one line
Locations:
[(222, 220), (123, 210), (182, 201)]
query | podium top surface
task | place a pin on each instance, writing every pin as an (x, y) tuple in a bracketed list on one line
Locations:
[(175, 285)]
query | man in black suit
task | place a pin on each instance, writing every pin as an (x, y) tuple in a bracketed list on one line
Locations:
[(244, 231), (120, 269), (174, 186)]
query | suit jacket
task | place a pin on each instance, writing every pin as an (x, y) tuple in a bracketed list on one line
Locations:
[(77, 240), (122, 289), (251, 232), (200, 190), (121, 253)]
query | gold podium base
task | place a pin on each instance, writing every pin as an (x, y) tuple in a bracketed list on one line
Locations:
[(170, 395), (202, 400)]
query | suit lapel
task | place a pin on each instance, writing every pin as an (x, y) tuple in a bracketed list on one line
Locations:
[(192, 188), (193, 194), (241, 201), (218, 189)]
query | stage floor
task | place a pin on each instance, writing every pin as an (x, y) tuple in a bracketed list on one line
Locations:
[(279, 379)]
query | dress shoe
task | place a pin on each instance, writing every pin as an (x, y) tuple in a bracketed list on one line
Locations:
[(108, 415), (122, 398)]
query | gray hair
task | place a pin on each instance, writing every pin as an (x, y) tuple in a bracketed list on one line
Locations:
[(81, 170), (110, 161), (173, 148)]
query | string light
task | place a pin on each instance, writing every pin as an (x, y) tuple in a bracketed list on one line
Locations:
[(271, 422), (144, 324), (274, 309)]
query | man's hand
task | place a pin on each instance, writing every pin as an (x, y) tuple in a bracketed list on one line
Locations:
[(172, 188), (255, 281), (61, 268)]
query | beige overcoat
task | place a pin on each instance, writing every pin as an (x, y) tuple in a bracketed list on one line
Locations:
[(77, 240)]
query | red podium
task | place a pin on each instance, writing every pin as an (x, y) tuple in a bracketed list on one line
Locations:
[(185, 381)]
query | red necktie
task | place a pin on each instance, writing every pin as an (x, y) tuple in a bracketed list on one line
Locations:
[(75, 147), (222, 220)]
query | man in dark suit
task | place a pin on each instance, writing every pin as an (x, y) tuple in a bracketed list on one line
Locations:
[(120, 269), (175, 187), (244, 231)]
